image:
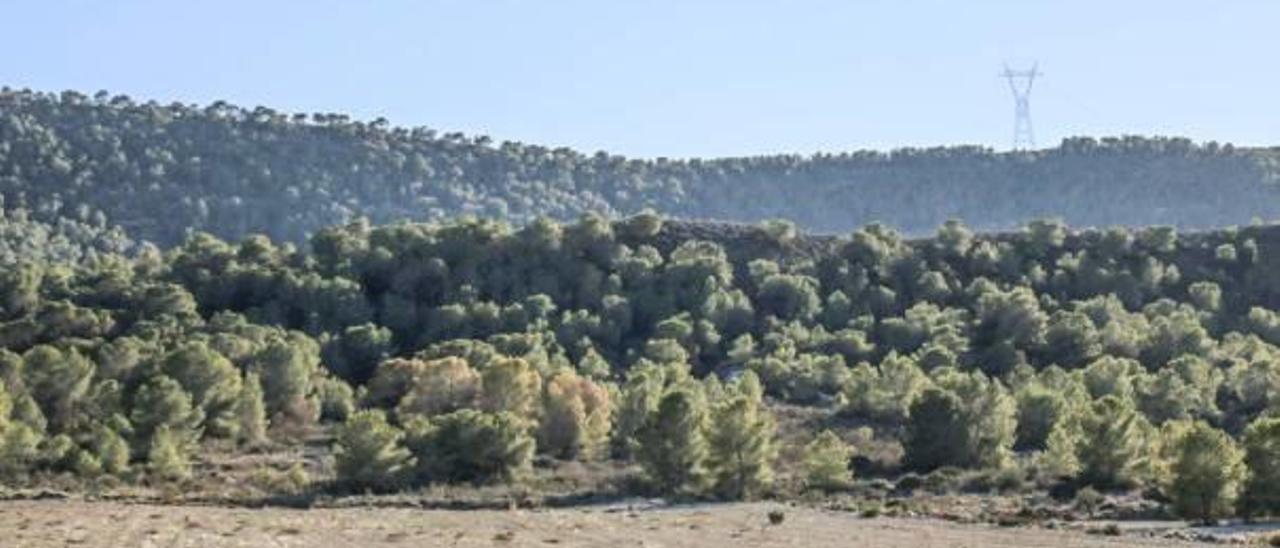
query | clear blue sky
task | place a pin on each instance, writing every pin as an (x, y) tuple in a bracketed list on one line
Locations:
[(681, 78)]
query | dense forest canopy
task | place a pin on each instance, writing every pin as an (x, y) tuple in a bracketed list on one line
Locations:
[(163, 171), (24, 239), (458, 351)]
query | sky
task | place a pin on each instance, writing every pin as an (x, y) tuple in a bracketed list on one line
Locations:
[(681, 78)]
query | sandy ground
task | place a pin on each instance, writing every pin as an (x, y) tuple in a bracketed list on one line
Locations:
[(40, 524)]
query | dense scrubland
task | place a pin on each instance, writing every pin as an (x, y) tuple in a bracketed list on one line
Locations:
[(476, 350)]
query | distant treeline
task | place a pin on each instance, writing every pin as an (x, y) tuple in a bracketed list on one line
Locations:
[(162, 171)]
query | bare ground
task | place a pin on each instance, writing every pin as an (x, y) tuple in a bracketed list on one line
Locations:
[(41, 524)]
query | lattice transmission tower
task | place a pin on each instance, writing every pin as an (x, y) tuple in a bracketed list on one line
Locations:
[(1020, 83)]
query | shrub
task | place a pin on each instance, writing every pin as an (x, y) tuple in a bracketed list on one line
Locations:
[(19, 449), (111, 450), (469, 446), (337, 399), (368, 454), (776, 517), (1003, 480), (826, 462), (167, 457), (909, 483), (1088, 500), (252, 412)]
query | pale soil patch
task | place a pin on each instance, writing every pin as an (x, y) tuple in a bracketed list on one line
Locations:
[(41, 524)]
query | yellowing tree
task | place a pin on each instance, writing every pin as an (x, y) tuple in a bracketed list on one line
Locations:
[(576, 417), (441, 386), (513, 386)]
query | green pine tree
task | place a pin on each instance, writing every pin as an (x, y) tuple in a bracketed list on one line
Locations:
[(741, 441), (673, 447), (826, 462), (252, 411), (368, 452)]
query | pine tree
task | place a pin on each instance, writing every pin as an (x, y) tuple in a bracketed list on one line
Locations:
[(213, 383), (286, 368), (988, 417), (469, 445), (161, 403), (640, 397), (511, 385), (85, 464), (1261, 494), (936, 434), (368, 453), (337, 399), (58, 380), (111, 450), (1205, 474), (441, 386), (576, 417), (1112, 443), (1059, 458), (673, 447), (826, 462), (167, 456), (1165, 447), (252, 411), (1039, 411), (19, 449), (741, 441), (26, 411), (6, 405)]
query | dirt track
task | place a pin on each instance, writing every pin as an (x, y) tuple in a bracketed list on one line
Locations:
[(41, 524)]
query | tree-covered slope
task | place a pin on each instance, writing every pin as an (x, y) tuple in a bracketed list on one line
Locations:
[(24, 240), (454, 352), (163, 170)]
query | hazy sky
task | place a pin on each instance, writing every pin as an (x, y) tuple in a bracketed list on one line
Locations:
[(681, 78)]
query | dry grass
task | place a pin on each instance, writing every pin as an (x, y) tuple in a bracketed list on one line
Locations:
[(42, 524)]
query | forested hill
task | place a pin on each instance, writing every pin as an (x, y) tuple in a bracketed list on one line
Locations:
[(454, 352), (162, 171)]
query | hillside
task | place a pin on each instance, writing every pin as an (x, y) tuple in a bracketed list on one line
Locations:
[(443, 343), (416, 320), (162, 171)]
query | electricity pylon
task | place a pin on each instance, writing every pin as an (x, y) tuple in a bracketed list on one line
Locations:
[(1020, 82)]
